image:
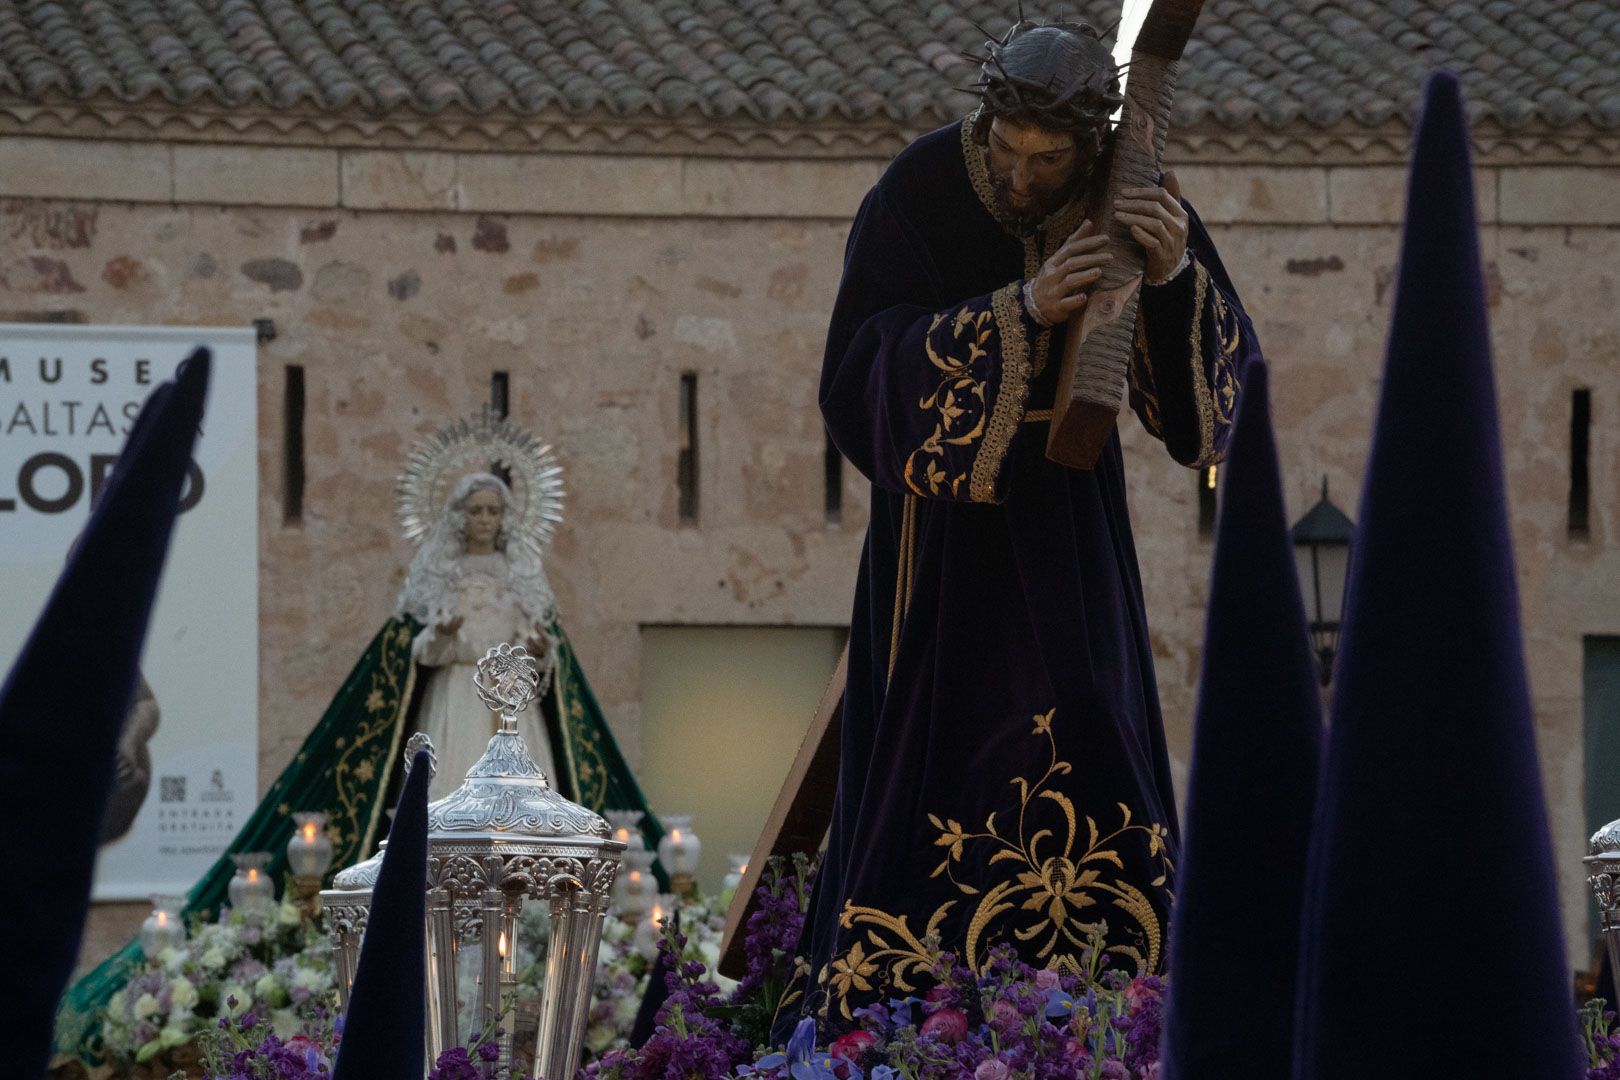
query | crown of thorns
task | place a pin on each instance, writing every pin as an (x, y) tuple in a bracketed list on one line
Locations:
[(1057, 75)]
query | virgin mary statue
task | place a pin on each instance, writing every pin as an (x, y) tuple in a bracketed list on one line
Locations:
[(470, 589), (476, 580)]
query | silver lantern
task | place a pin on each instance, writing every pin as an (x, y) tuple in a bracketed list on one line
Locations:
[(1603, 874), (502, 840), (347, 904)]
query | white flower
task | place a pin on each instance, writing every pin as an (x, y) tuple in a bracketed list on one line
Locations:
[(146, 1006), (214, 959), (289, 915), (173, 1034), (598, 1037), (284, 1022), (624, 1011), (267, 987), (174, 959), (311, 979), (182, 995)]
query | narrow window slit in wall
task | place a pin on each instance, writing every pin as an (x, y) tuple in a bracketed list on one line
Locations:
[(1580, 432), (1207, 480), (686, 469), (500, 388), (292, 444), (833, 481)]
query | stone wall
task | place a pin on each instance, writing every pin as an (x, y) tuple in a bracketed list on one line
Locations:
[(400, 281)]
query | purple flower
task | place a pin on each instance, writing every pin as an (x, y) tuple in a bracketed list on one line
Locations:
[(992, 1070)]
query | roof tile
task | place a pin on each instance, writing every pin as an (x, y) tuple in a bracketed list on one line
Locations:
[(1272, 62)]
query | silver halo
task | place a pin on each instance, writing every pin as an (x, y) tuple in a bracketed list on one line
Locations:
[(475, 444)]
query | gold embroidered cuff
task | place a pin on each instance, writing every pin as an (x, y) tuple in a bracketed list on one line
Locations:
[(1008, 410), (1205, 400)]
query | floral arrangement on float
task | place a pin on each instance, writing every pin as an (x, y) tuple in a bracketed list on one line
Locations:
[(1009, 1022), (254, 996), (274, 965)]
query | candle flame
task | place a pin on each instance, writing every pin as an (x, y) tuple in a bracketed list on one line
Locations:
[(657, 914), (309, 832), (675, 835), (252, 874), (500, 946), (161, 917), (635, 875), (743, 869)]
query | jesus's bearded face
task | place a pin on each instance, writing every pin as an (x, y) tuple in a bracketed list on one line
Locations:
[(1033, 170)]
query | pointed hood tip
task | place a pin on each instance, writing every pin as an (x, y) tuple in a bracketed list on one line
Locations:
[(1444, 114), (1442, 82)]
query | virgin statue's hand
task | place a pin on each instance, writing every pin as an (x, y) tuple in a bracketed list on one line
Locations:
[(448, 625)]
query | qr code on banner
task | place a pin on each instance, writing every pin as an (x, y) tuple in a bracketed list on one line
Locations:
[(172, 789)]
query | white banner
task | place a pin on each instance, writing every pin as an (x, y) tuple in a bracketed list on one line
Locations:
[(67, 397)]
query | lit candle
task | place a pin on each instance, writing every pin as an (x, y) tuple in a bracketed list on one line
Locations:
[(309, 857), (651, 929), (626, 826), (251, 891), (679, 851), (733, 879), (635, 888), (163, 927)]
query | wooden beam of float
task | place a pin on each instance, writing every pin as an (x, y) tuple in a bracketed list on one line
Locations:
[(799, 820)]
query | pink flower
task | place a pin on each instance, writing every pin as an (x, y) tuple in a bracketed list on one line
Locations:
[(1005, 1013), (947, 1026), (1046, 979), (851, 1045), (992, 1070), (1139, 991)]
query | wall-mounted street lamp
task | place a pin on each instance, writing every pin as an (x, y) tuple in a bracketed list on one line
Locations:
[(1322, 540)]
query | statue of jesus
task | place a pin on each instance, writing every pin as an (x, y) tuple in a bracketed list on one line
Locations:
[(1003, 776)]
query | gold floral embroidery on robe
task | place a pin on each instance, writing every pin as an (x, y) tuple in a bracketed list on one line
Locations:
[(1215, 384), (962, 357), (1059, 887), (1228, 339), (354, 817)]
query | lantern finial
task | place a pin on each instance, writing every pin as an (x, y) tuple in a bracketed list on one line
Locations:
[(508, 680), (420, 741)]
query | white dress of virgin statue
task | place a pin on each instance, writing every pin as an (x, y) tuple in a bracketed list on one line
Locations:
[(470, 596)]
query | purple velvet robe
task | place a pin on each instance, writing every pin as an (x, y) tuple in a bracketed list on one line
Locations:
[(1003, 777)]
